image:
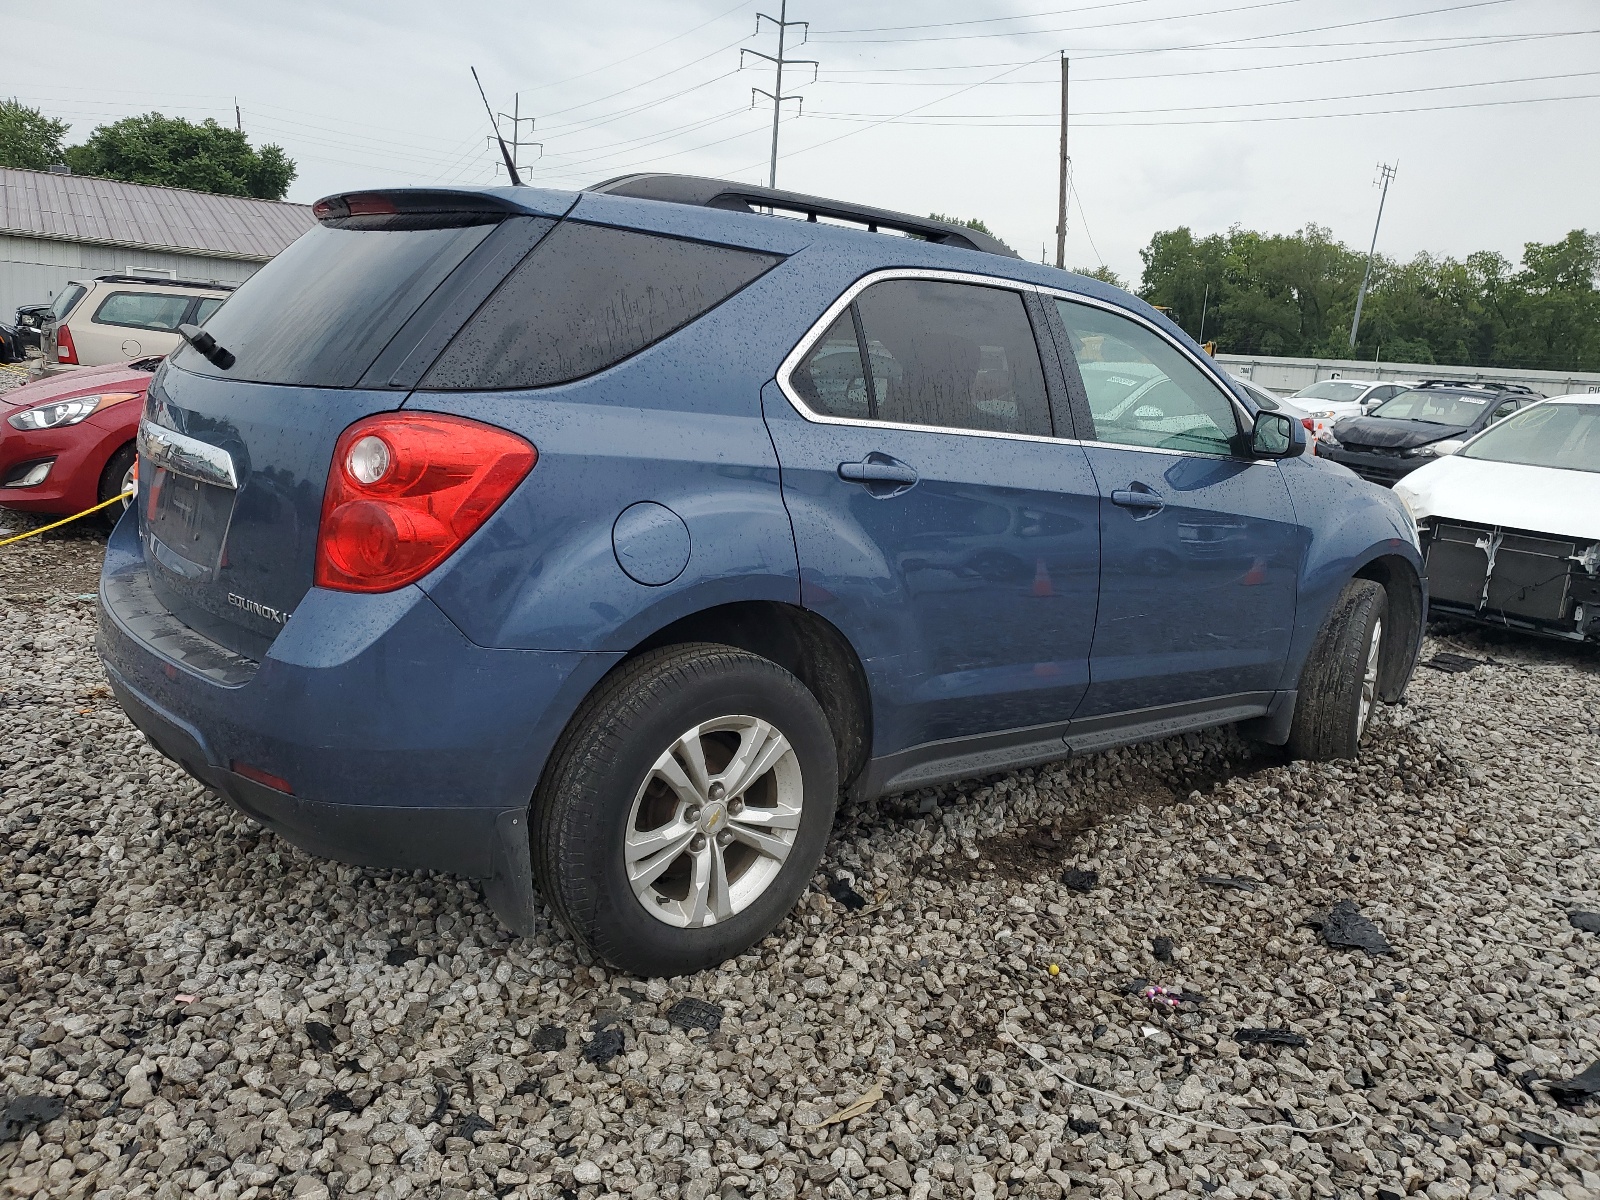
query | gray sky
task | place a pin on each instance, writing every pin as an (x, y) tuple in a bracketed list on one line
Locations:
[(1171, 104)]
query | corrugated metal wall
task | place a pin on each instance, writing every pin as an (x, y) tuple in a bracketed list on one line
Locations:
[(1288, 375), (34, 269)]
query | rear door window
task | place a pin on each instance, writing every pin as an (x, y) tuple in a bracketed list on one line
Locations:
[(143, 310), (205, 308), (321, 311), (587, 297), (1142, 390), (940, 354)]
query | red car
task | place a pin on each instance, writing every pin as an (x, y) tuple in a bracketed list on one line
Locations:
[(67, 442)]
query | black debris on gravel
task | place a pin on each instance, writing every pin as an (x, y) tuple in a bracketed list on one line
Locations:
[(528, 1087), (984, 1085), (339, 1101), (1079, 880), (1573, 1092), (1268, 1037), (690, 1013), (1242, 883), (321, 1036), (1161, 947), (27, 1111), (604, 1046), (470, 1124), (949, 1083), (846, 895), (1588, 922), (550, 1037), (1082, 1127), (440, 1108), (1531, 1138), (1344, 928), (400, 956), (1453, 664)]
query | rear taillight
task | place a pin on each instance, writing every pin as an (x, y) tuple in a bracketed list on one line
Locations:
[(1311, 426), (405, 490), (66, 352)]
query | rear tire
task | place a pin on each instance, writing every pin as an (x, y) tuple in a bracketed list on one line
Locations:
[(684, 808), (114, 480), (1339, 684)]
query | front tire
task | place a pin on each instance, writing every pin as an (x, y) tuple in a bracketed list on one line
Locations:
[(684, 808), (1339, 684), (116, 479)]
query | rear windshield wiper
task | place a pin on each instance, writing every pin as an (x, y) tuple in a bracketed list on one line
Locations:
[(215, 353)]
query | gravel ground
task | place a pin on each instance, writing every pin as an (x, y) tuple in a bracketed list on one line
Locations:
[(223, 1016)]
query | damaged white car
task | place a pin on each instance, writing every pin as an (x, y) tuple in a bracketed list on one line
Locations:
[(1509, 521)]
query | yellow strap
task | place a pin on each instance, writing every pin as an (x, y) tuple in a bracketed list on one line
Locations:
[(67, 520)]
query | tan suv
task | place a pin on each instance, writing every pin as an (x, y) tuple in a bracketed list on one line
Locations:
[(113, 318)]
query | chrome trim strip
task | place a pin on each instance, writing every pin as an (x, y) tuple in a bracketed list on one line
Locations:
[(187, 456), (812, 336)]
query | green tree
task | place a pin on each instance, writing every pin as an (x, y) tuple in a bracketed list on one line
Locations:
[(172, 152), (1294, 294), (971, 223), (1103, 273), (29, 139)]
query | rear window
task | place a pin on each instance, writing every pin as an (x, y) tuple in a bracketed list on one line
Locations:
[(143, 310), (320, 312), (584, 299), (204, 309), (62, 305)]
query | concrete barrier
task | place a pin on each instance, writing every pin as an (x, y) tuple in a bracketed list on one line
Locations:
[(1288, 375)]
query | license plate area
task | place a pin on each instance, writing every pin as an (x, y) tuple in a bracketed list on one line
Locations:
[(186, 523)]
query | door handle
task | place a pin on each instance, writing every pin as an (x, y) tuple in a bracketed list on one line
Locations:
[(882, 475), (1139, 497)]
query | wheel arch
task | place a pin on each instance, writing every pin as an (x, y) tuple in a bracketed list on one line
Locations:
[(1407, 613), (807, 646)]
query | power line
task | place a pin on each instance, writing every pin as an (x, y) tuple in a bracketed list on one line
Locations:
[(1117, 112), (1475, 44), (1382, 112), (618, 62), (1212, 13), (961, 37)]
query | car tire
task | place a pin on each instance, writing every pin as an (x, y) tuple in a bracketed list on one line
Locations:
[(649, 857), (1339, 683), (114, 481)]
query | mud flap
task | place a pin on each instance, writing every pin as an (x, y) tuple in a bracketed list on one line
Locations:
[(1272, 727), (509, 890)]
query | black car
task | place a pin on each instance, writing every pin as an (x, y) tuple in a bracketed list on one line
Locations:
[(1403, 433), (29, 323)]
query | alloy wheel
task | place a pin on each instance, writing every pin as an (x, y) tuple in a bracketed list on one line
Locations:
[(1369, 679), (714, 821)]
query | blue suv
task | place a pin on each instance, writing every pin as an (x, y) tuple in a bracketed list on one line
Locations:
[(594, 544)]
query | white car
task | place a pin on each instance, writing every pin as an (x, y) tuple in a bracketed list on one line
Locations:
[(1509, 521), (1330, 400)]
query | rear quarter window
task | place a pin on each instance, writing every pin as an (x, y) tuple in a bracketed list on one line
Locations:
[(587, 297), (143, 310)]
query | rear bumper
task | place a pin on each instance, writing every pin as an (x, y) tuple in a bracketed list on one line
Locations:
[(404, 744)]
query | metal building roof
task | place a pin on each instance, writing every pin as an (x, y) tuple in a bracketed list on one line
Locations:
[(106, 212)]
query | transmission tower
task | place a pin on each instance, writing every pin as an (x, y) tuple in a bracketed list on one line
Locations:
[(1385, 174), (779, 63), (515, 142)]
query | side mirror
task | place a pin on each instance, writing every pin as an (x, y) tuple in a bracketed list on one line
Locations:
[(1277, 435)]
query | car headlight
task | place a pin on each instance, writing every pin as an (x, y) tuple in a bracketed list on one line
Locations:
[(1321, 414), (1328, 440), (60, 413), (1420, 452)]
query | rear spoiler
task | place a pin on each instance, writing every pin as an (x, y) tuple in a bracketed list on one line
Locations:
[(412, 208)]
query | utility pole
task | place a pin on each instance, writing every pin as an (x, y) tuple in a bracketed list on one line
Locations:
[(1061, 200), (776, 95), (238, 121), (1385, 174), (1205, 303), (516, 119)]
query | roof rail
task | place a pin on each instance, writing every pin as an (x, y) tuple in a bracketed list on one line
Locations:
[(740, 197), (214, 284), (1487, 385)]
